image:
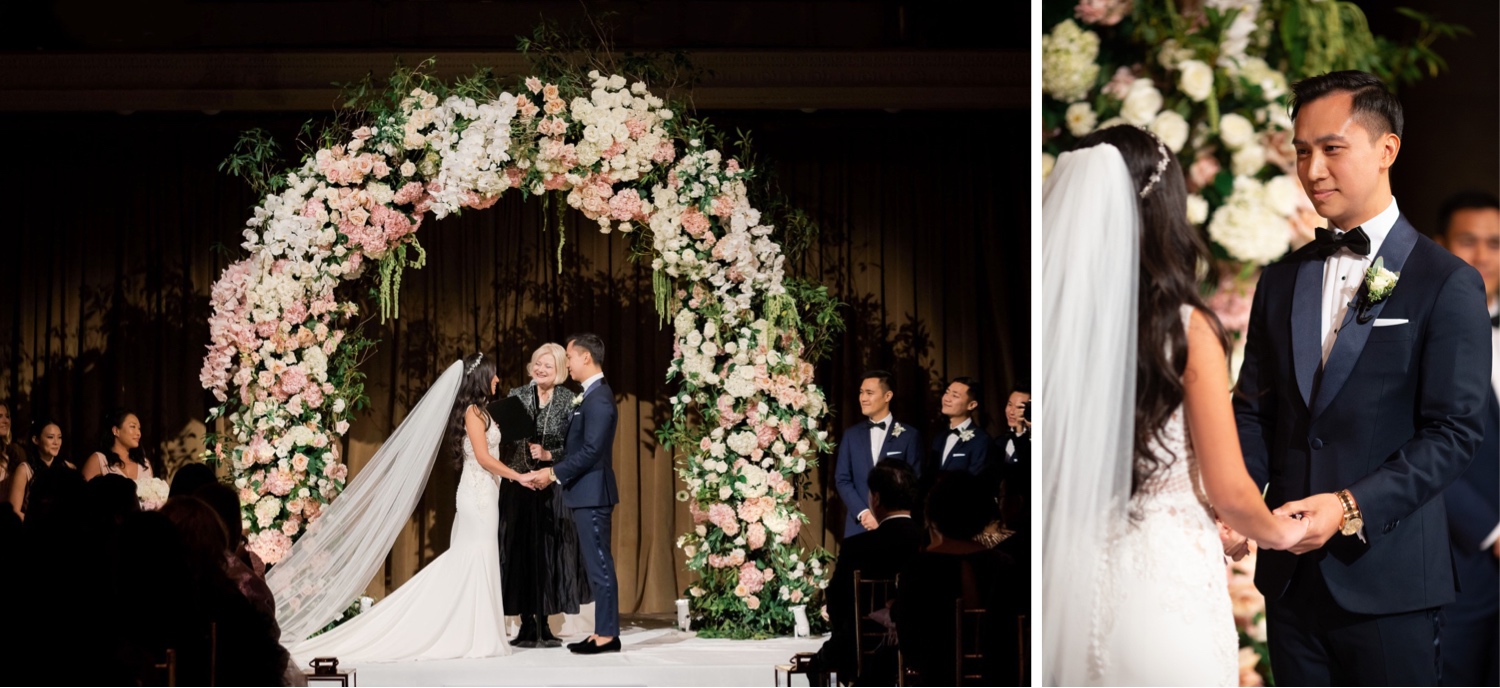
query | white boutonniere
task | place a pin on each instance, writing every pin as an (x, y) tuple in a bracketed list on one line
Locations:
[(577, 401), (897, 430), (1379, 282), (965, 435)]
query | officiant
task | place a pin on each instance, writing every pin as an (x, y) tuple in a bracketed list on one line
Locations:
[(541, 569)]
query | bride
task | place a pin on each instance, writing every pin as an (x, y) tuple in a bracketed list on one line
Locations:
[(452, 608), (1140, 437)]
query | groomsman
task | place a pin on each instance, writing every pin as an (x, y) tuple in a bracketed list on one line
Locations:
[(880, 437), (963, 446), (1470, 228)]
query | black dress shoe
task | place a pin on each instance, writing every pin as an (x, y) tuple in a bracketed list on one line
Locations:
[(586, 641), (526, 637), (593, 648), (549, 642), (544, 637)]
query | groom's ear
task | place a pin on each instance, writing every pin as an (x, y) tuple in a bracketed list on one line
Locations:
[(1389, 146)]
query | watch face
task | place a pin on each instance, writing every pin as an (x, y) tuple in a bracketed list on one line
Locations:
[(1353, 525)]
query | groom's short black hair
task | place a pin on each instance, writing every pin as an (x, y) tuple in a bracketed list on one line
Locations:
[(591, 343), (1374, 104)]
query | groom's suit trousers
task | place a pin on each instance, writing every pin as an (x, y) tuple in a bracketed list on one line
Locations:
[(593, 523)]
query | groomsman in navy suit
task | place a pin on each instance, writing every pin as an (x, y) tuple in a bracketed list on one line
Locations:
[(1470, 229), (880, 437), (589, 489), (963, 446)]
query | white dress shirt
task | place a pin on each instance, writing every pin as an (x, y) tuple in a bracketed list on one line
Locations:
[(588, 384), (1344, 272), (953, 439), (877, 437)]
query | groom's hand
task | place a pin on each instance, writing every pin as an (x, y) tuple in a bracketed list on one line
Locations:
[(1323, 513), (1236, 546)]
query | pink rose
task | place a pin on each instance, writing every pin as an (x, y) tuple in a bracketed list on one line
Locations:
[(755, 536), (1119, 84), (752, 602), (1102, 12), (1203, 170)]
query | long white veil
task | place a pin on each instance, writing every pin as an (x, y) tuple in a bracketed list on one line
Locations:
[(335, 559), (1090, 267)]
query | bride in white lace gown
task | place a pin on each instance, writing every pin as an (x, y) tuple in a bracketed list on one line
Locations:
[(1138, 430), (452, 608)]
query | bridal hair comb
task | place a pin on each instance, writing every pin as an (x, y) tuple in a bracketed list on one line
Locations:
[(475, 364), (1161, 166)]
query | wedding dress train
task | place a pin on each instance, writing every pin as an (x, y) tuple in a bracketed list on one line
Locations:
[(453, 607)]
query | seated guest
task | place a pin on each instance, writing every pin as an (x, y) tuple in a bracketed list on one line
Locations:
[(119, 449), (191, 476), (238, 562), (46, 446), (877, 554), (963, 445), (955, 567), (876, 439), (247, 650), (11, 454)]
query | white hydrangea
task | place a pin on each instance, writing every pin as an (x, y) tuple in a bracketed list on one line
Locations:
[(1069, 67), (1247, 226), (742, 443)]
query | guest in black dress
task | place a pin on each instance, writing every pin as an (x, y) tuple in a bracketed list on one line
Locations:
[(45, 455), (541, 568)]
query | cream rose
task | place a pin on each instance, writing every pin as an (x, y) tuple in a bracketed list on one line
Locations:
[(1197, 209), (1281, 194), (1247, 161), (1142, 103), (1081, 118), (1196, 79), (1048, 160), (1235, 131), (1171, 128)]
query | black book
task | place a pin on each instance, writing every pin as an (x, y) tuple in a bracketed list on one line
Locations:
[(516, 423)]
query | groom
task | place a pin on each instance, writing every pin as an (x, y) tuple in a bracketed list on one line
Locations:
[(587, 475), (1359, 406)]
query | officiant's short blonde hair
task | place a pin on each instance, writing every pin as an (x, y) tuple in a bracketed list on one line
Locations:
[(559, 361)]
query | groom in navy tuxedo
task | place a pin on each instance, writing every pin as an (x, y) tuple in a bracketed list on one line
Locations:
[(1360, 401), (587, 475), (878, 438)]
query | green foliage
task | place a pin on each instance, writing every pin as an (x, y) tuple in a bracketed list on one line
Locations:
[(256, 159), (818, 319), (391, 267)]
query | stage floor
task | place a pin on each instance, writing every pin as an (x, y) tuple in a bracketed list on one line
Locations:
[(652, 656)]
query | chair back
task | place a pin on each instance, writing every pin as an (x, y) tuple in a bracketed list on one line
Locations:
[(968, 644), (1023, 646), (167, 667), (869, 595)]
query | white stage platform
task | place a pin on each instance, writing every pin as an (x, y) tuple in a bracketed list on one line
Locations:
[(654, 657)]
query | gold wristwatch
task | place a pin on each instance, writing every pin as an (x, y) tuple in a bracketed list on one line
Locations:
[(1353, 520)]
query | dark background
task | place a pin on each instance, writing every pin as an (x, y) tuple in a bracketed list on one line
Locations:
[(120, 223)]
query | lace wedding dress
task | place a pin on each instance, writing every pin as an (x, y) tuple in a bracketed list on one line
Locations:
[(1164, 613), (453, 607)]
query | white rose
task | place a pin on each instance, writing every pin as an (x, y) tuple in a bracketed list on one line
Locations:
[(1196, 79), (1142, 103), (1197, 209), (1248, 160), (1281, 194), (1081, 118), (1048, 160), (1171, 128), (1235, 131)]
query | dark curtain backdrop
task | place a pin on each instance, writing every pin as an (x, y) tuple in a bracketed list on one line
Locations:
[(121, 223)]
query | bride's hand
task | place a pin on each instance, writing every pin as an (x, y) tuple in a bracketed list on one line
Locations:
[(1236, 546), (1290, 531)]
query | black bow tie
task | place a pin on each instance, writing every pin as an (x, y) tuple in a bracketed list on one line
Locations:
[(955, 431), (880, 425), (1495, 320), (1328, 243)]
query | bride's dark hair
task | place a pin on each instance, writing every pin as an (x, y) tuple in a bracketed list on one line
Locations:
[(473, 390), (1171, 253)]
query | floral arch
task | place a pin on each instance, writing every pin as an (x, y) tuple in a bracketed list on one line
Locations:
[(285, 347)]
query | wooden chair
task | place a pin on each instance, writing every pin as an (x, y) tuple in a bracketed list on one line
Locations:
[(869, 596), (968, 644), (168, 667)]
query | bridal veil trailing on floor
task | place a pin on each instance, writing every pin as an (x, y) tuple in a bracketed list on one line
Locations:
[(452, 608)]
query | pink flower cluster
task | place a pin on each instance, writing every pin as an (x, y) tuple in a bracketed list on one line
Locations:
[(270, 545), (752, 509), (1103, 12), (752, 578), (755, 536), (722, 515), (725, 561), (338, 166)]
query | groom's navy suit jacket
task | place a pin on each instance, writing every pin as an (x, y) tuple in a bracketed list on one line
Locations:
[(851, 474), (587, 473), (1394, 417)]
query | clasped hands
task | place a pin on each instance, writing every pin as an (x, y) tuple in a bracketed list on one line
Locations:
[(1307, 525), (541, 477)]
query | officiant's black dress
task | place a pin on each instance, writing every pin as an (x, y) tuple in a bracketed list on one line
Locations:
[(541, 569)]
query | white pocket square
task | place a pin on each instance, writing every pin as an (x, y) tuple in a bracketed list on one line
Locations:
[(1387, 322)]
